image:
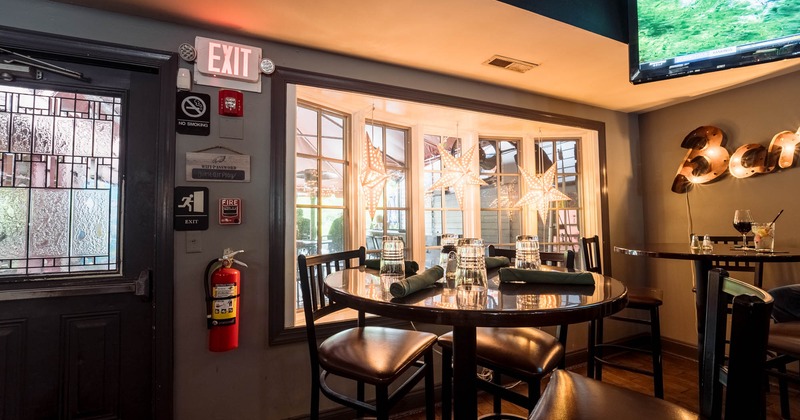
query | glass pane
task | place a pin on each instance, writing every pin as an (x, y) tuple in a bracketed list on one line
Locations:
[(450, 199), (306, 181), (375, 230), (489, 195), (570, 186), (49, 223), (396, 189), (395, 147), (21, 133), (332, 184), (333, 229), (489, 227), (333, 148), (455, 222), (396, 222), (375, 134), (487, 156), (103, 133), (544, 158), (508, 192), (65, 127), (508, 157), (432, 257), (13, 222), (433, 162), (306, 131), (5, 129), (84, 133), (22, 172), (332, 137), (90, 223), (43, 134), (567, 156), (510, 226), (433, 227)]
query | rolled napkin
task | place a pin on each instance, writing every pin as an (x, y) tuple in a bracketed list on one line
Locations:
[(411, 266), (548, 277), (495, 262), (413, 283)]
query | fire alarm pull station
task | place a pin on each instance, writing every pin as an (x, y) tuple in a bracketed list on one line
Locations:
[(230, 211), (231, 103)]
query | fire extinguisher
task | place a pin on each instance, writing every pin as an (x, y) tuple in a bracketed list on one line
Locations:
[(222, 301)]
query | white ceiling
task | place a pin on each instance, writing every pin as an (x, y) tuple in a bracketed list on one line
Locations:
[(454, 37)]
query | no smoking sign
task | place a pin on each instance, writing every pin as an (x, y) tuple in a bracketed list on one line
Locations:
[(193, 113)]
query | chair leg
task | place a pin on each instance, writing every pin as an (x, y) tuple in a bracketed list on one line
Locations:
[(498, 402), (382, 402), (447, 383), (430, 397), (783, 387), (360, 397), (655, 339), (314, 414), (590, 350), (598, 369), (534, 391)]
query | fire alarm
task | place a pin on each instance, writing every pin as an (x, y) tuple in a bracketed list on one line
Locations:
[(231, 103)]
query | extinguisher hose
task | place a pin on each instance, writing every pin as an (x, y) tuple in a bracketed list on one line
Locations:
[(207, 287)]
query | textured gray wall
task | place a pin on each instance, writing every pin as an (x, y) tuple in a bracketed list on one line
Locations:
[(257, 381)]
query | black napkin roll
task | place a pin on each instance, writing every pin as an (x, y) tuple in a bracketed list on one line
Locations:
[(495, 262), (548, 277), (411, 267), (413, 283)]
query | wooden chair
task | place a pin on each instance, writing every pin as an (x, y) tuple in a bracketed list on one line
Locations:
[(373, 355), (572, 396), (558, 259), (644, 299), (525, 354), (757, 268), (784, 345)]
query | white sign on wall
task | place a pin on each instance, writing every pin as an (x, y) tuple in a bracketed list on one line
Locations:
[(217, 167), (227, 64)]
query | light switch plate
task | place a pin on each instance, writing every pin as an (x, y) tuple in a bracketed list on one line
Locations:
[(193, 242)]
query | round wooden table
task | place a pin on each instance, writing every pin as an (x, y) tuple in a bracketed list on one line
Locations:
[(508, 305)]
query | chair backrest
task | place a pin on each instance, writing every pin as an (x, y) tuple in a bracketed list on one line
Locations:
[(743, 374), (313, 269), (756, 268), (560, 259), (591, 254)]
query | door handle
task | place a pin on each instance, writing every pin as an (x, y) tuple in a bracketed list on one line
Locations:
[(142, 284)]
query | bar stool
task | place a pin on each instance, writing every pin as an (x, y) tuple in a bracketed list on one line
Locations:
[(644, 299)]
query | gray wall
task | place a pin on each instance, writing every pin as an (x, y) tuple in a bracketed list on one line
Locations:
[(750, 114), (257, 381)]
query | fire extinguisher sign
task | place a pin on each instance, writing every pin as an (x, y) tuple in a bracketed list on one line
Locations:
[(230, 211)]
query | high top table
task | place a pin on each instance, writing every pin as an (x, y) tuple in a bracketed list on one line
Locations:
[(508, 305), (703, 262)]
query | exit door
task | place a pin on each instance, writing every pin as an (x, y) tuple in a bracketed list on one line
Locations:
[(85, 278)]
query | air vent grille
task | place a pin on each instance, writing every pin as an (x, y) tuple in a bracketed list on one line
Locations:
[(512, 64)]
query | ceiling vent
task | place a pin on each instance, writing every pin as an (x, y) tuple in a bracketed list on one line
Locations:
[(512, 64)]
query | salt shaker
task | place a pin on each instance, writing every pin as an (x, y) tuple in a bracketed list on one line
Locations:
[(707, 246), (695, 243)]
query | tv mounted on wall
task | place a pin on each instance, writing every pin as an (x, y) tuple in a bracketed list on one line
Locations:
[(673, 38)]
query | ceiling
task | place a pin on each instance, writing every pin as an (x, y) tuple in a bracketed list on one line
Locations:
[(454, 37)]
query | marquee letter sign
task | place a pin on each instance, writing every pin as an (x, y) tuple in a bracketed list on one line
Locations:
[(707, 158)]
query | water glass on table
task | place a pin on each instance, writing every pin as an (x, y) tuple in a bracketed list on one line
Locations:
[(471, 280), (392, 268), (527, 255)]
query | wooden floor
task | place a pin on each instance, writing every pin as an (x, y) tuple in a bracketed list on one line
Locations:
[(680, 387)]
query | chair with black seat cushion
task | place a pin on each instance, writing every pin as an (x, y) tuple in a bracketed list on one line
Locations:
[(525, 354), (572, 396), (784, 345), (757, 268), (640, 298), (377, 356)]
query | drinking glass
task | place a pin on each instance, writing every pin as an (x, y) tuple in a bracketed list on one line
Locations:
[(527, 255), (471, 266), (764, 236), (447, 257), (392, 267), (743, 222)]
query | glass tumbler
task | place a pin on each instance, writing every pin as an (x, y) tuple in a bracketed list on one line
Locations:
[(527, 255), (471, 266), (392, 268), (447, 257)]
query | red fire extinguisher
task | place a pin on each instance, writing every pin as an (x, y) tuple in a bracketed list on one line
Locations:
[(222, 302)]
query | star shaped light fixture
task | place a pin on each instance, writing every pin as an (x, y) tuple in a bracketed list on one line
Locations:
[(373, 175), (541, 191), (457, 172)]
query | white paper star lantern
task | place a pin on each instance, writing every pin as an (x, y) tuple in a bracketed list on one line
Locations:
[(373, 176), (457, 172), (541, 191)]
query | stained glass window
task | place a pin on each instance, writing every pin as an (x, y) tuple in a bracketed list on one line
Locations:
[(59, 182)]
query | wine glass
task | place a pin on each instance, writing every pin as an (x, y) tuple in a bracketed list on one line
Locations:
[(743, 222)]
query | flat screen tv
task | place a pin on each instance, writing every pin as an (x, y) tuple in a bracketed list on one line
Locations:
[(673, 38)]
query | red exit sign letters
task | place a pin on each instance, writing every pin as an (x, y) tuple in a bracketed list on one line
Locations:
[(227, 59)]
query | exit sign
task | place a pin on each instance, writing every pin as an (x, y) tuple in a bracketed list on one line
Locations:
[(227, 64)]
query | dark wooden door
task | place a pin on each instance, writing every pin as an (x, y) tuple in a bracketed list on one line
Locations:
[(85, 294)]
